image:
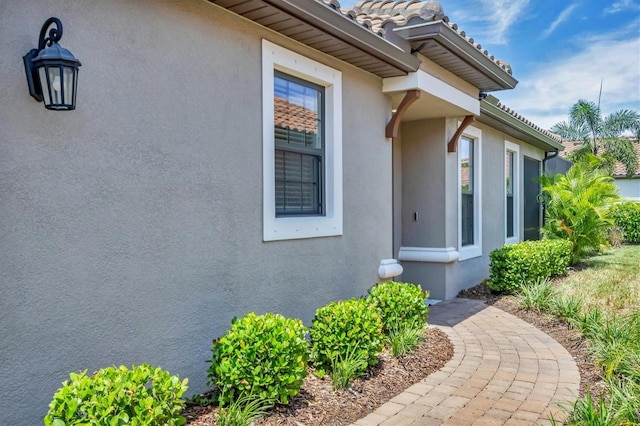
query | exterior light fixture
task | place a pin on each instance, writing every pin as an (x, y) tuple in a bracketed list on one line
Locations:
[(52, 71)]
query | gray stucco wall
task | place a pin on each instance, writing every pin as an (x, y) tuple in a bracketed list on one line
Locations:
[(429, 183), (131, 228)]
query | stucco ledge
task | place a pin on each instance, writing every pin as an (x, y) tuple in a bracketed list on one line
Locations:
[(428, 254)]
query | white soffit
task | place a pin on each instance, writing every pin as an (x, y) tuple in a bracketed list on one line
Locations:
[(439, 99)]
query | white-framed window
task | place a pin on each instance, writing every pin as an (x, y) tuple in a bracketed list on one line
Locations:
[(470, 193), (512, 192), (302, 146)]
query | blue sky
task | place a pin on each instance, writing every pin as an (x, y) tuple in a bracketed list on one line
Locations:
[(560, 51)]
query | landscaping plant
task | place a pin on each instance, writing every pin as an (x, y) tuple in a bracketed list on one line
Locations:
[(627, 217), (347, 366), (346, 328), (141, 396), (527, 262), (243, 410), (402, 341), (577, 207), (401, 305), (262, 355), (537, 295)]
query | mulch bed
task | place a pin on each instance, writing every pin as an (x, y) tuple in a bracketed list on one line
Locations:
[(319, 404)]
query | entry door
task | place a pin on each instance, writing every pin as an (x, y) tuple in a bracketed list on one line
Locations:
[(532, 217)]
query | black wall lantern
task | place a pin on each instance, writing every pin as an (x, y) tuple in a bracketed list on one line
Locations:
[(52, 71)]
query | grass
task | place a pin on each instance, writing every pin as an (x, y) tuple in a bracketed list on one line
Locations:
[(603, 302), (610, 281)]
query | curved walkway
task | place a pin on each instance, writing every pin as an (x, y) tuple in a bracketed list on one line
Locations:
[(504, 371)]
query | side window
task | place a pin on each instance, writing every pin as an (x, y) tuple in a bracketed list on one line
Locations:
[(299, 146), (512, 192), (469, 194), (302, 146)]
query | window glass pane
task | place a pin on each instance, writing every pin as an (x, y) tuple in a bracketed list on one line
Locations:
[(509, 175), (466, 165), (465, 146), (297, 183), (298, 113), (509, 172), (298, 123)]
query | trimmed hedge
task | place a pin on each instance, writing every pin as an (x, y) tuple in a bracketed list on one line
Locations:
[(348, 327), (401, 305), (527, 261), (144, 395), (262, 355), (627, 218)]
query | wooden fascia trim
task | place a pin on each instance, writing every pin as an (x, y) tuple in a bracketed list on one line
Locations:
[(391, 131), (452, 146)]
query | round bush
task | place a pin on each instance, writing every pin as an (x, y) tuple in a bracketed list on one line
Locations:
[(627, 217), (263, 355), (401, 305), (143, 395), (348, 328)]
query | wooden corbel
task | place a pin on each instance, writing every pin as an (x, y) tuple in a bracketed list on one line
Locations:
[(452, 146), (391, 131)]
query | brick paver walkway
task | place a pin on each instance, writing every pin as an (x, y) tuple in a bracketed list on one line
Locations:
[(504, 371)]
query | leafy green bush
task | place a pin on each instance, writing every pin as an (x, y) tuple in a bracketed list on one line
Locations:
[(143, 395), (577, 206), (627, 217), (263, 355), (401, 305), (527, 262), (345, 326)]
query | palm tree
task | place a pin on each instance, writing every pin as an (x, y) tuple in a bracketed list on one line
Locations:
[(602, 134)]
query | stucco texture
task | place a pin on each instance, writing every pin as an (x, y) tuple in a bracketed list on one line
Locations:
[(131, 228), (427, 175)]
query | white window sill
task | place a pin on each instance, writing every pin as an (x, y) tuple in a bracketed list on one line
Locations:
[(470, 252)]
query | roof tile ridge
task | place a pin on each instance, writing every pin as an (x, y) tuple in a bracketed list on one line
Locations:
[(501, 63), (529, 123)]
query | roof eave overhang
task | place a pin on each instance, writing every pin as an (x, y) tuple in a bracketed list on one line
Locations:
[(495, 117), (333, 23), (450, 40)]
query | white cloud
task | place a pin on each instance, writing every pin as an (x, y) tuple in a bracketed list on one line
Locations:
[(560, 19), (545, 94), (623, 5), (490, 20)]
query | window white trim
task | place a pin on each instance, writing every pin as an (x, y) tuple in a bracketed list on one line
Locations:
[(515, 149), (275, 57), (475, 250)]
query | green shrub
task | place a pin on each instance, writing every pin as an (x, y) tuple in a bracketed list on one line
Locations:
[(627, 217), (527, 262), (263, 355), (344, 326), (143, 395), (401, 305)]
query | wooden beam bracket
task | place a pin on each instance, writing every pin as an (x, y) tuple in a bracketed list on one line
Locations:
[(391, 131), (452, 146)]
